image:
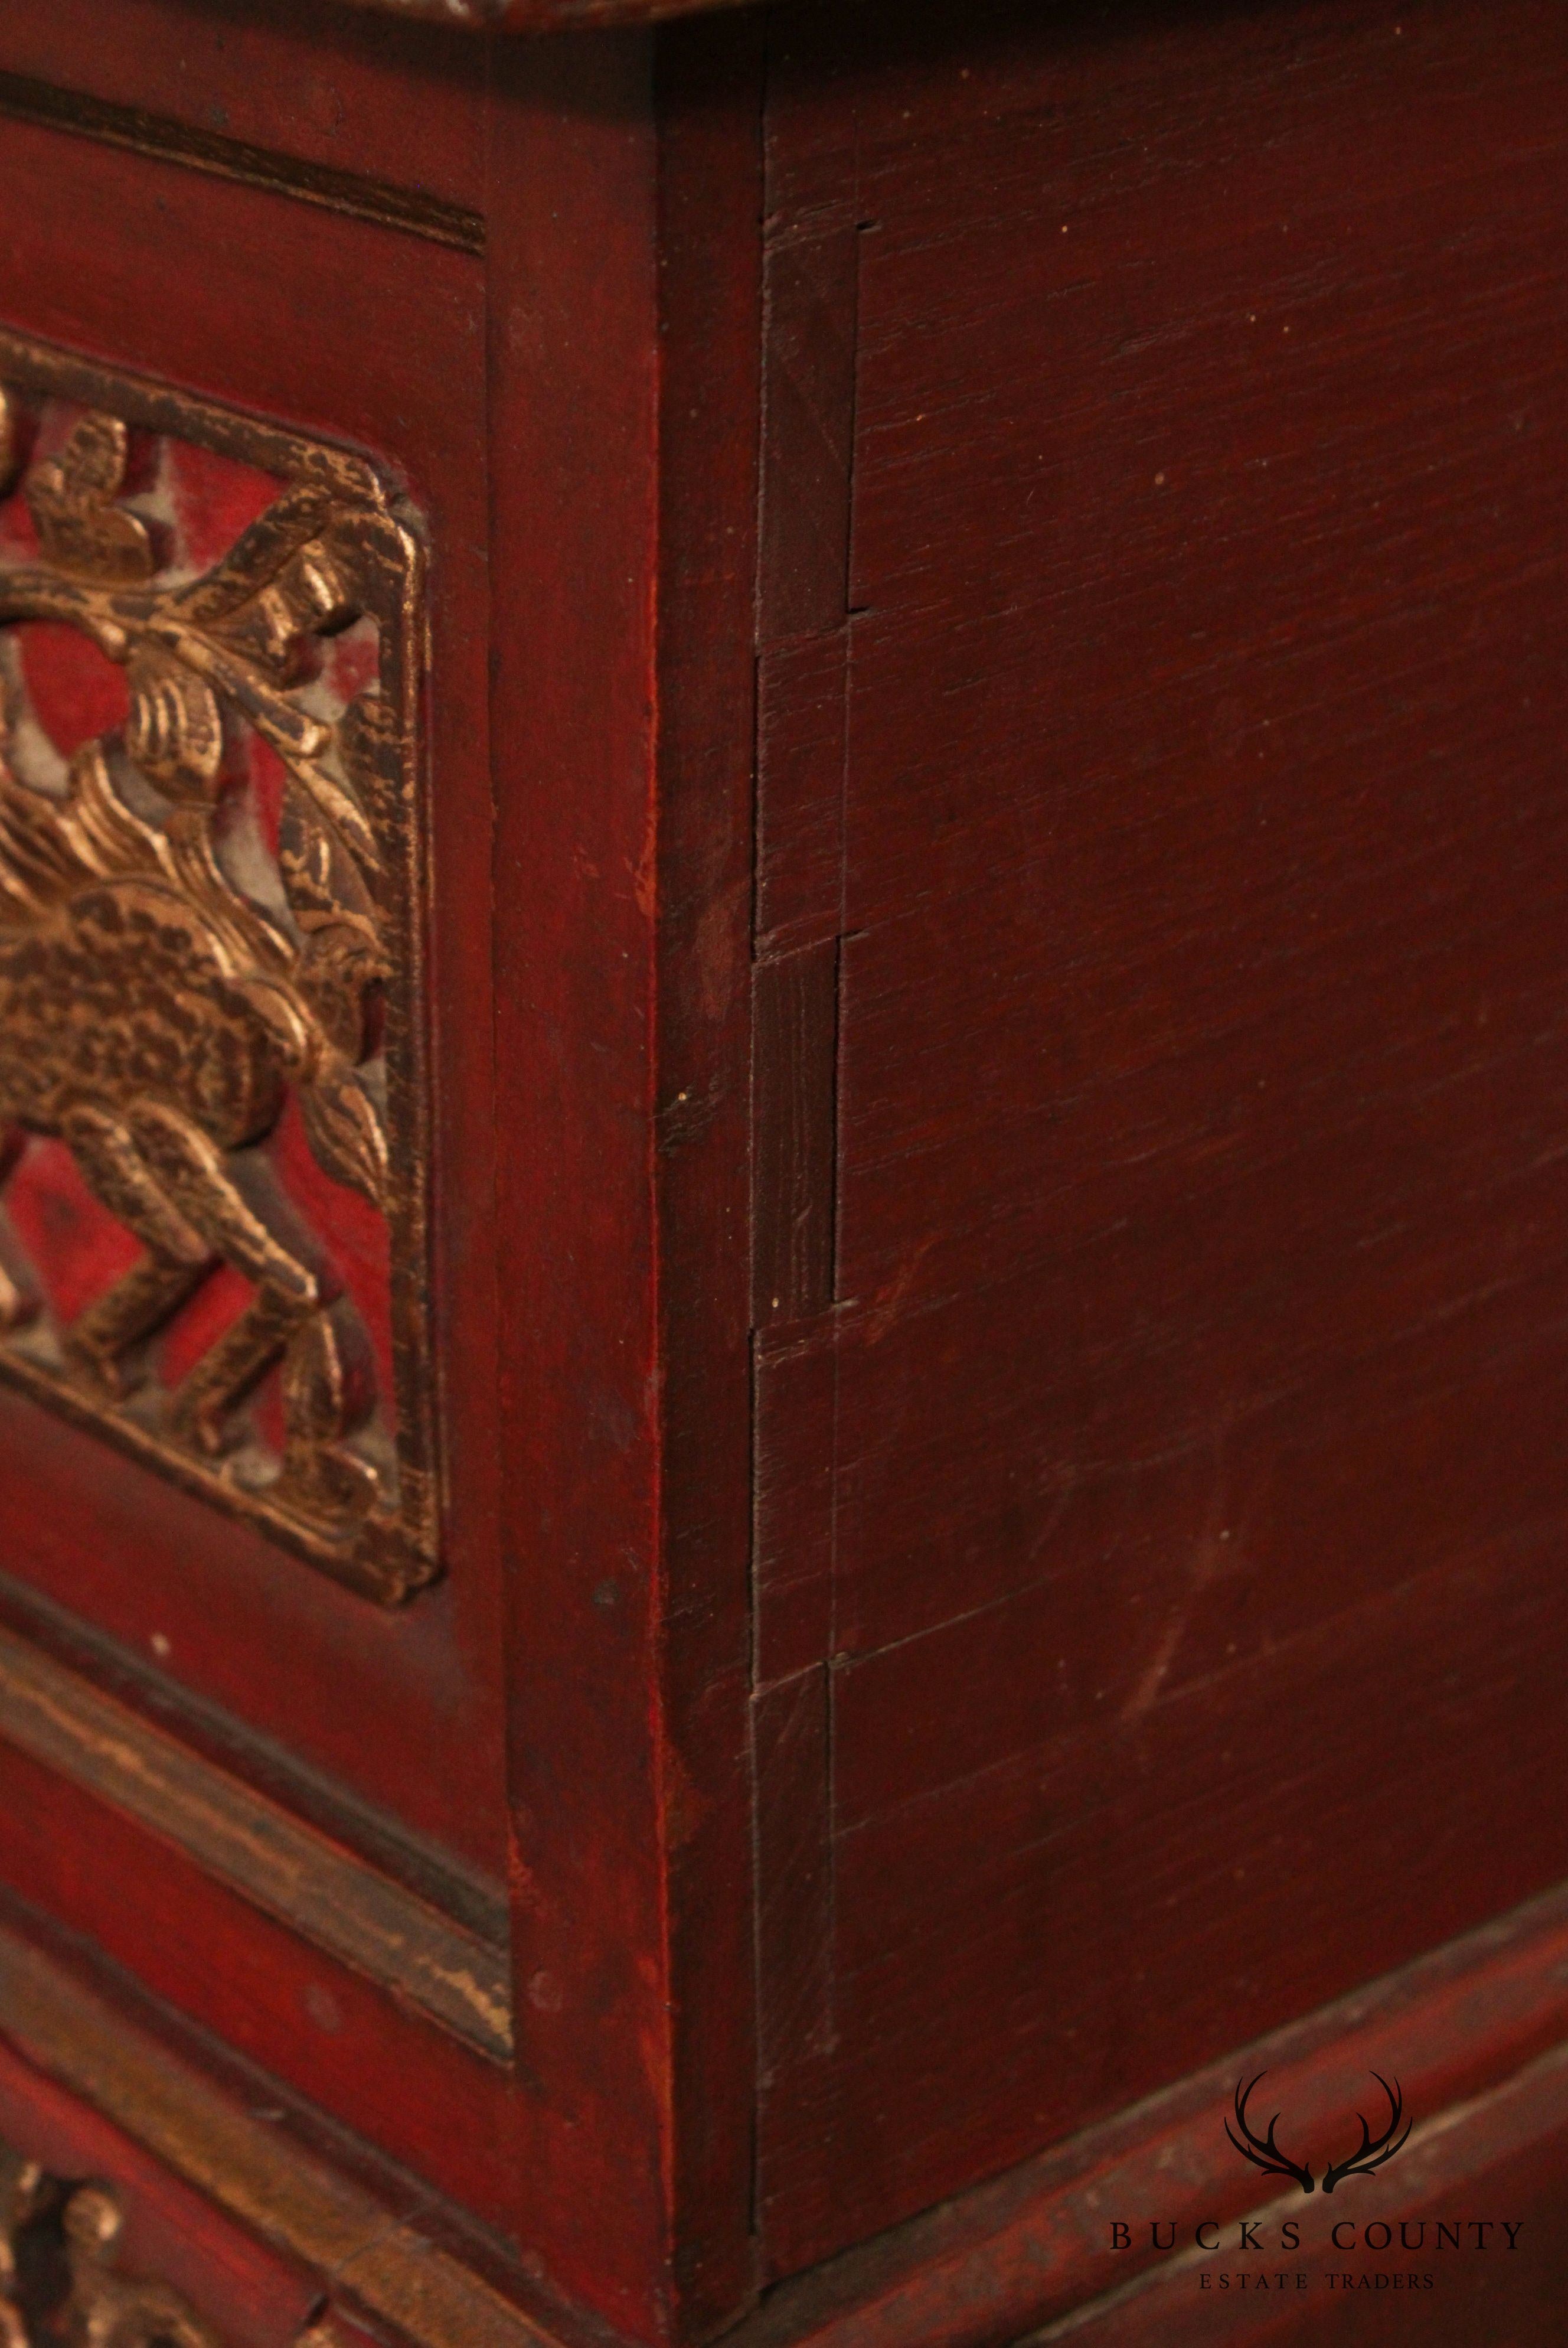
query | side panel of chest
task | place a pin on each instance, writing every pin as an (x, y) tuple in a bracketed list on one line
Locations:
[(1160, 1491)]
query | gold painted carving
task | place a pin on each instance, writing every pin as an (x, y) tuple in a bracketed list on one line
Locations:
[(59, 2287), (167, 987)]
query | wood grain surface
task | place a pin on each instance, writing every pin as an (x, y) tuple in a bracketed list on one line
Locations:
[(1186, 1588), (1474, 2035), (624, 350), (1000, 871), (333, 90), (232, 2191)]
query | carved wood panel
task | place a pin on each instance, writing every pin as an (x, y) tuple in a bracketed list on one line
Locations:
[(59, 2284), (211, 1085)]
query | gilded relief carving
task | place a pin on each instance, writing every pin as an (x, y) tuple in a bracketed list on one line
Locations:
[(59, 2283), (209, 962)]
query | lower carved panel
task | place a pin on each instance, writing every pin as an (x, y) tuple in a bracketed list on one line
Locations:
[(58, 2276), (232, 2209)]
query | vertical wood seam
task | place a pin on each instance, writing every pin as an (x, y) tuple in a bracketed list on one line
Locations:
[(807, 894)]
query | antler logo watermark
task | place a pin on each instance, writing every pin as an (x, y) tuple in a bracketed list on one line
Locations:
[(1268, 2253), (1369, 2156)]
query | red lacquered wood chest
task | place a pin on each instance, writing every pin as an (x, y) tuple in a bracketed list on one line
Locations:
[(783, 1095)]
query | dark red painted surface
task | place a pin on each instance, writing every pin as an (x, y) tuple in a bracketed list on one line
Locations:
[(625, 1802), (995, 933), (392, 102), (1470, 2035), (1184, 1590)]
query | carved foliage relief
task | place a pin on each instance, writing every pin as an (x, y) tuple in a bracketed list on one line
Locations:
[(211, 1146)]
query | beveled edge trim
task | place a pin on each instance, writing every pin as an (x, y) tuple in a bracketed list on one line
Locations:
[(24, 99), (282, 2195), (271, 1768), (248, 1843)]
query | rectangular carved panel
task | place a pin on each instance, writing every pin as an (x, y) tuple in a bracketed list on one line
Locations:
[(212, 1082)]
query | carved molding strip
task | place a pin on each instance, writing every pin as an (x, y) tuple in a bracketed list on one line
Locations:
[(210, 958), (235, 1835), (28, 101), (249, 2169)]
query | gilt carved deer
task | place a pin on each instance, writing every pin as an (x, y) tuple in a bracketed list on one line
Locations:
[(159, 1003)]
